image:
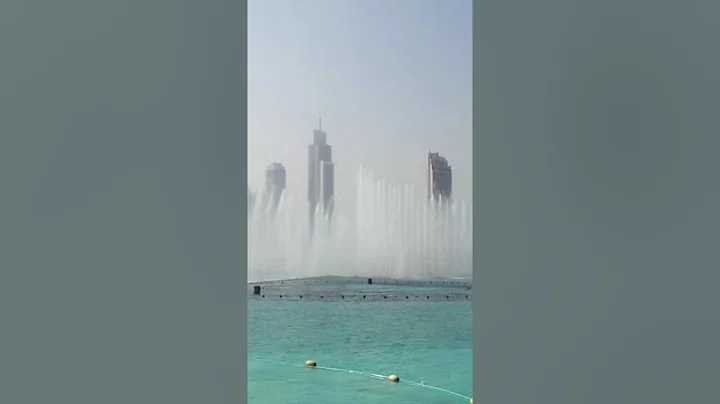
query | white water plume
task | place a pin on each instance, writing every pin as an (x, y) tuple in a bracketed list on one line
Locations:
[(395, 231)]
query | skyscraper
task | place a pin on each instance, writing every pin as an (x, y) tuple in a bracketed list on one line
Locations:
[(439, 178), (275, 180), (321, 176), (251, 201)]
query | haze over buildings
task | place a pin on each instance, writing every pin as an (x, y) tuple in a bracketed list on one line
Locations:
[(251, 200), (439, 185), (321, 175), (390, 79), (275, 180)]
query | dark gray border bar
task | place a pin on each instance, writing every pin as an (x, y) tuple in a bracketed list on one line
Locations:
[(595, 153), (123, 213)]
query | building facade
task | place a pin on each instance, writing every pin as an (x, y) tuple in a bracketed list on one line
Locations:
[(251, 201), (275, 182), (321, 177), (439, 178)]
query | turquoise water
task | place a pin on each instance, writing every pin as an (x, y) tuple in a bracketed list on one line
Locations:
[(419, 341)]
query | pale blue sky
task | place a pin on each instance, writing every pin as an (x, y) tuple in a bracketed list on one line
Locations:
[(391, 79)]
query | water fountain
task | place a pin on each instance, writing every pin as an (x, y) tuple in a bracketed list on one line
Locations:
[(394, 232)]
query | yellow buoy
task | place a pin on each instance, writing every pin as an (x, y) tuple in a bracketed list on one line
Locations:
[(310, 364), (393, 378)]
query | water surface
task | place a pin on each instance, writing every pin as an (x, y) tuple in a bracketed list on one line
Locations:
[(420, 341)]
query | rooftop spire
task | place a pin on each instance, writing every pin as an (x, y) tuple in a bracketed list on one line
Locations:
[(319, 123)]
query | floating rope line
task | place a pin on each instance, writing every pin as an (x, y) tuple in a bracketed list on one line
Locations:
[(390, 378), (422, 384), (373, 375)]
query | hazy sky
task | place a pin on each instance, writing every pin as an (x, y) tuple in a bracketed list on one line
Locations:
[(391, 80)]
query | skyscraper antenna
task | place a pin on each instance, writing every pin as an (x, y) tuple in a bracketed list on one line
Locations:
[(319, 123)]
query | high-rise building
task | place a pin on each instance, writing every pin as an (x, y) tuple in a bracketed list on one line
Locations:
[(321, 176), (275, 180), (439, 178), (251, 201)]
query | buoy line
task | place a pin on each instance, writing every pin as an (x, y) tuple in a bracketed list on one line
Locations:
[(393, 378)]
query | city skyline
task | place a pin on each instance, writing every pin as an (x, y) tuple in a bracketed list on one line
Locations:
[(320, 186), (391, 80)]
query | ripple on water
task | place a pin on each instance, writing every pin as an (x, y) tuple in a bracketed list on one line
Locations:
[(419, 341)]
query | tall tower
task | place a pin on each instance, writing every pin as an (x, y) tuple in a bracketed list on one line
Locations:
[(439, 178), (321, 176), (251, 201), (275, 180)]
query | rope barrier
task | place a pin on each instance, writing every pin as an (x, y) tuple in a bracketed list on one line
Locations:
[(391, 378)]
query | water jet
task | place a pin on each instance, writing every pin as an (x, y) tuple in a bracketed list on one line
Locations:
[(393, 230)]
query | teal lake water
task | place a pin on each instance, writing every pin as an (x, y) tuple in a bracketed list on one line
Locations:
[(420, 341)]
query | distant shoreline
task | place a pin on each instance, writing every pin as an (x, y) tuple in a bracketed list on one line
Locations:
[(340, 279)]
